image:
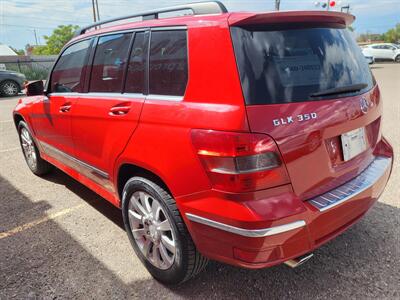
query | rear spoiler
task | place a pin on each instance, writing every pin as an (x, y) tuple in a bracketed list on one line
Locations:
[(277, 17)]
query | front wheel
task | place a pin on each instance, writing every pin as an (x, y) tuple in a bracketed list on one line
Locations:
[(397, 59), (157, 232), (36, 164)]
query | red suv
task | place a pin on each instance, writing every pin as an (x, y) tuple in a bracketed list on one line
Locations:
[(247, 138)]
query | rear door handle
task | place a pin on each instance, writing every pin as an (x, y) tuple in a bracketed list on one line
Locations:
[(119, 110), (65, 107)]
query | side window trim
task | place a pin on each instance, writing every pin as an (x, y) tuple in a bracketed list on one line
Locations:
[(90, 64), (90, 59), (166, 97), (125, 71), (48, 82), (93, 53), (146, 32)]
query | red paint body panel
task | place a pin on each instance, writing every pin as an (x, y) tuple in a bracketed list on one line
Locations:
[(155, 135), (303, 144), (95, 127)]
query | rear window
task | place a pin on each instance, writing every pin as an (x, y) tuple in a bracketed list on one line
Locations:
[(292, 64)]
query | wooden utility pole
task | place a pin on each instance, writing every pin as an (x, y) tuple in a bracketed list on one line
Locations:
[(94, 11), (277, 4), (97, 8)]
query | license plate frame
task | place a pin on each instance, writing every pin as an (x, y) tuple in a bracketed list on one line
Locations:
[(353, 143)]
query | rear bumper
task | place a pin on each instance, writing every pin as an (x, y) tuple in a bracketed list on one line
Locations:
[(264, 232)]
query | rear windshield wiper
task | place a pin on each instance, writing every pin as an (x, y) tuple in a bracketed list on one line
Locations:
[(341, 90)]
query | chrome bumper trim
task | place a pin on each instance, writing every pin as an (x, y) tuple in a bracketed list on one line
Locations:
[(247, 232), (353, 187)]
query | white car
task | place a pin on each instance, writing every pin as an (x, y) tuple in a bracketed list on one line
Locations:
[(370, 59), (383, 51)]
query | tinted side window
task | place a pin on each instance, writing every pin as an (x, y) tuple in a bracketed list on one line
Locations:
[(67, 74), (137, 61), (168, 63), (109, 63)]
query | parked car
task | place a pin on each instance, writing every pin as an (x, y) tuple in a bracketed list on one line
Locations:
[(11, 83), (247, 138), (370, 59), (383, 51)]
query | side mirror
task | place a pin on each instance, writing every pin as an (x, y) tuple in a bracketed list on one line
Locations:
[(35, 88)]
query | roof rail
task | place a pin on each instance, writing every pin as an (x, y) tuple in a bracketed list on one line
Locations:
[(198, 8)]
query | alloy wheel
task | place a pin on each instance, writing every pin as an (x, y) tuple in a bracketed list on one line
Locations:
[(152, 230), (10, 88), (29, 148)]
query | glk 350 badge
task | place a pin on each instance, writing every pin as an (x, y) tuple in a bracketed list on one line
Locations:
[(291, 119)]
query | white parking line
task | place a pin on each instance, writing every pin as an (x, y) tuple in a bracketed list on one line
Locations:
[(38, 221), (10, 149), (7, 121)]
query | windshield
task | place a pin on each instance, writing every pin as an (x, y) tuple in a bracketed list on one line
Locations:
[(294, 63)]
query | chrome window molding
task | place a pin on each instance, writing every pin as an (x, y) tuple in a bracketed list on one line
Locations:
[(181, 27), (120, 95), (164, 97), (354, 187), (101, 95), (247, 232)]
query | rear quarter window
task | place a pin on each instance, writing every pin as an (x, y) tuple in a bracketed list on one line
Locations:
[(168, 68)]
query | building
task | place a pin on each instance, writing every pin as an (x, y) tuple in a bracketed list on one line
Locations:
[(6, 51)]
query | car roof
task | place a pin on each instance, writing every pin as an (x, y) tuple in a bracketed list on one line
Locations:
[(227, 19)]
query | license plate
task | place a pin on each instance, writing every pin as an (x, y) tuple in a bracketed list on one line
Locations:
[(353, 143)]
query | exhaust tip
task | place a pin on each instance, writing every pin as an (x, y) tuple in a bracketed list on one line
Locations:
[(295, 262)]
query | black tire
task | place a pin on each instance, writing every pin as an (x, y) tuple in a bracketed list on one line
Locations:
[(41, 167), (397, 59), (9, 88), (188, 261)]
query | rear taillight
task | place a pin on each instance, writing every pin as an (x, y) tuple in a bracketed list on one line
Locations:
[(239, 162)]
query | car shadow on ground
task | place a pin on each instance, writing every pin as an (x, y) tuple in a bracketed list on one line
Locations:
[(47, 262), (97, 202)]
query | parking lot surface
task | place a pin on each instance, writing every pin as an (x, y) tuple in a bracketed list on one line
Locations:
[(60, 240)]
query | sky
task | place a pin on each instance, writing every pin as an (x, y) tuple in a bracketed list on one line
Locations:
[(19, 19)]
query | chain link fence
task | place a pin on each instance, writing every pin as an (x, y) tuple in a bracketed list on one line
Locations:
[(34, 67)]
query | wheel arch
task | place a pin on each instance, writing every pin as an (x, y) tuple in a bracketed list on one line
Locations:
[(18, 118), (129, 170)]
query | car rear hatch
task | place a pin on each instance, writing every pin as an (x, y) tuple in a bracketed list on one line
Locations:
[(307, 85)]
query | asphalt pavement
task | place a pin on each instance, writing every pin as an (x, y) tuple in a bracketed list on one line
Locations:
[(60, 240)]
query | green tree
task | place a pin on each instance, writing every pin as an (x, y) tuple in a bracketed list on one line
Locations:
[(392, 35), (54, 43)]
